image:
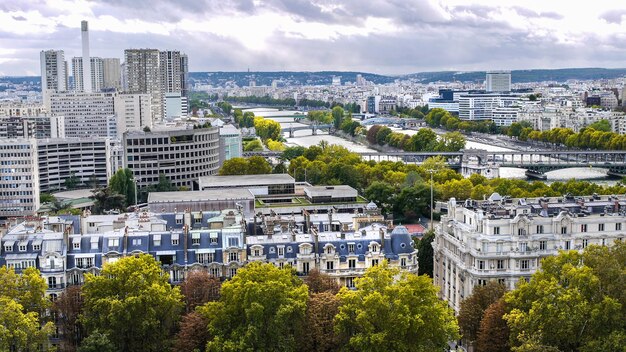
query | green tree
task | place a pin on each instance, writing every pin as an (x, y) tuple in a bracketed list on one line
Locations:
[(46, 198), (253, 146), (258, 165), (601, 125), (338, 116), (473, 308), (123, 183), (260, 309), (22, 303), (425, 254), (292, 152), (234, 166), (394, 311), (105, 199), (575, 302), (20, 330), (382, 194), (132, 303), (381, 135), (72, 181), (97, 342)]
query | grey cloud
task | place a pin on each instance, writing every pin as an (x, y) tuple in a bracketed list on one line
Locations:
[(526, 12), (613, 16), (19, 18)]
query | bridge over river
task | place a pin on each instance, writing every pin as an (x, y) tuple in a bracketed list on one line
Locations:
[(536, 163)]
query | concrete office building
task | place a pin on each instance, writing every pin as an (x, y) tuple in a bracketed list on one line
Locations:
[(32, 127), (133, 111), (19, 178), (85, 158), (174, 66), (111, 74), (183, 156), (53, 74), (86, 81), (175, 105), (96, 72), (505, 239), (498, 81), (86, 114), (230, 143), (480, 106), (13, 109), (143, 75)]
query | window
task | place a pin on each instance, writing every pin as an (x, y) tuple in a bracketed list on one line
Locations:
[(52, 282), (496, 230), (481, 265), (195, 239), (175, 240), (523, 264), (136, 241), (215, 272), (523, 247), (84, 262), (289, 250), (36, 247), (583, 227), (351, 263), (482, 282), (567, 245), (272, 250), (563, 230), (232, 272), (306, 250), (233, 256), (539, 228), (403, 262), (521, 232), (305, 267), (179, 221), (256, 252), (22, 247), (281, 264), (600, 227), (281, 251), (618, 226), (75, 243), (499, 247), (197, 220), (585, 243), (502, 281), (543, 245), (500, 265), (375, 248), (330, 250), (214, 239), (351, 247), (157, 241), (114, 242), (350, 282), (8, 248), (205, 258), (330, 265), (374, 262), (233, 242)]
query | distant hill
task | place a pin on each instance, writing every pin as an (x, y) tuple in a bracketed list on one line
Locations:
[(283, 77), (523, 76)]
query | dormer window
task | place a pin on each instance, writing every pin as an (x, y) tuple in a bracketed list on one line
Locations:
[(375, 248), (76, 242), (23, 246), (8, 246), (195, 239), (114, 242), (351, 247)]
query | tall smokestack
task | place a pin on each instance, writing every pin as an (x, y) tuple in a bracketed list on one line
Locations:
[(84, 31)]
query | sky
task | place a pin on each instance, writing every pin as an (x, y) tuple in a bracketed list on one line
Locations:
[(377, 36)]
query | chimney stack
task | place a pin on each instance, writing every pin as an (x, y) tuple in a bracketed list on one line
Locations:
[(84, 32)]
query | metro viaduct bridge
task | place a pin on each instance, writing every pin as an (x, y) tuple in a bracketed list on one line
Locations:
[(536, 163)]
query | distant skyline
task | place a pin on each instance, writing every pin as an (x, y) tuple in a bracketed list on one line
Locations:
[(377, 36)]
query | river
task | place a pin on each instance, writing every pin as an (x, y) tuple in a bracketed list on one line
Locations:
[(305, 139)]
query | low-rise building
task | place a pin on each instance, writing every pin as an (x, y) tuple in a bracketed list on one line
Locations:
[(505, 239)]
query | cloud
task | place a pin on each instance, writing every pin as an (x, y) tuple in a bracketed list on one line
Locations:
[(382, 36)]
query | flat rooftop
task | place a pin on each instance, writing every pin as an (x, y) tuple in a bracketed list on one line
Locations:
[(339, 191), (244, 180), (206, 195)]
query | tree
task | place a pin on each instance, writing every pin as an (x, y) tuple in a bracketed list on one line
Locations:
[(68, 308), (381, 135), (72, 181), (318, 334), (258, 165), (97, 342), (123, 183), (260, 309), (601, 125), (473, 308), (22, 302), (575, 302), (292, 152), (199, 288), (493, 334), (105, 199), (338, 116), (234, 166), (46, 198), (193, 334), (132, 303), (394, 311), (20, 330), (253, 146), (425, 254), (319, 282)]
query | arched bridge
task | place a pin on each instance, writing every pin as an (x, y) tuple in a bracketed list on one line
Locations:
[(313, 127)]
